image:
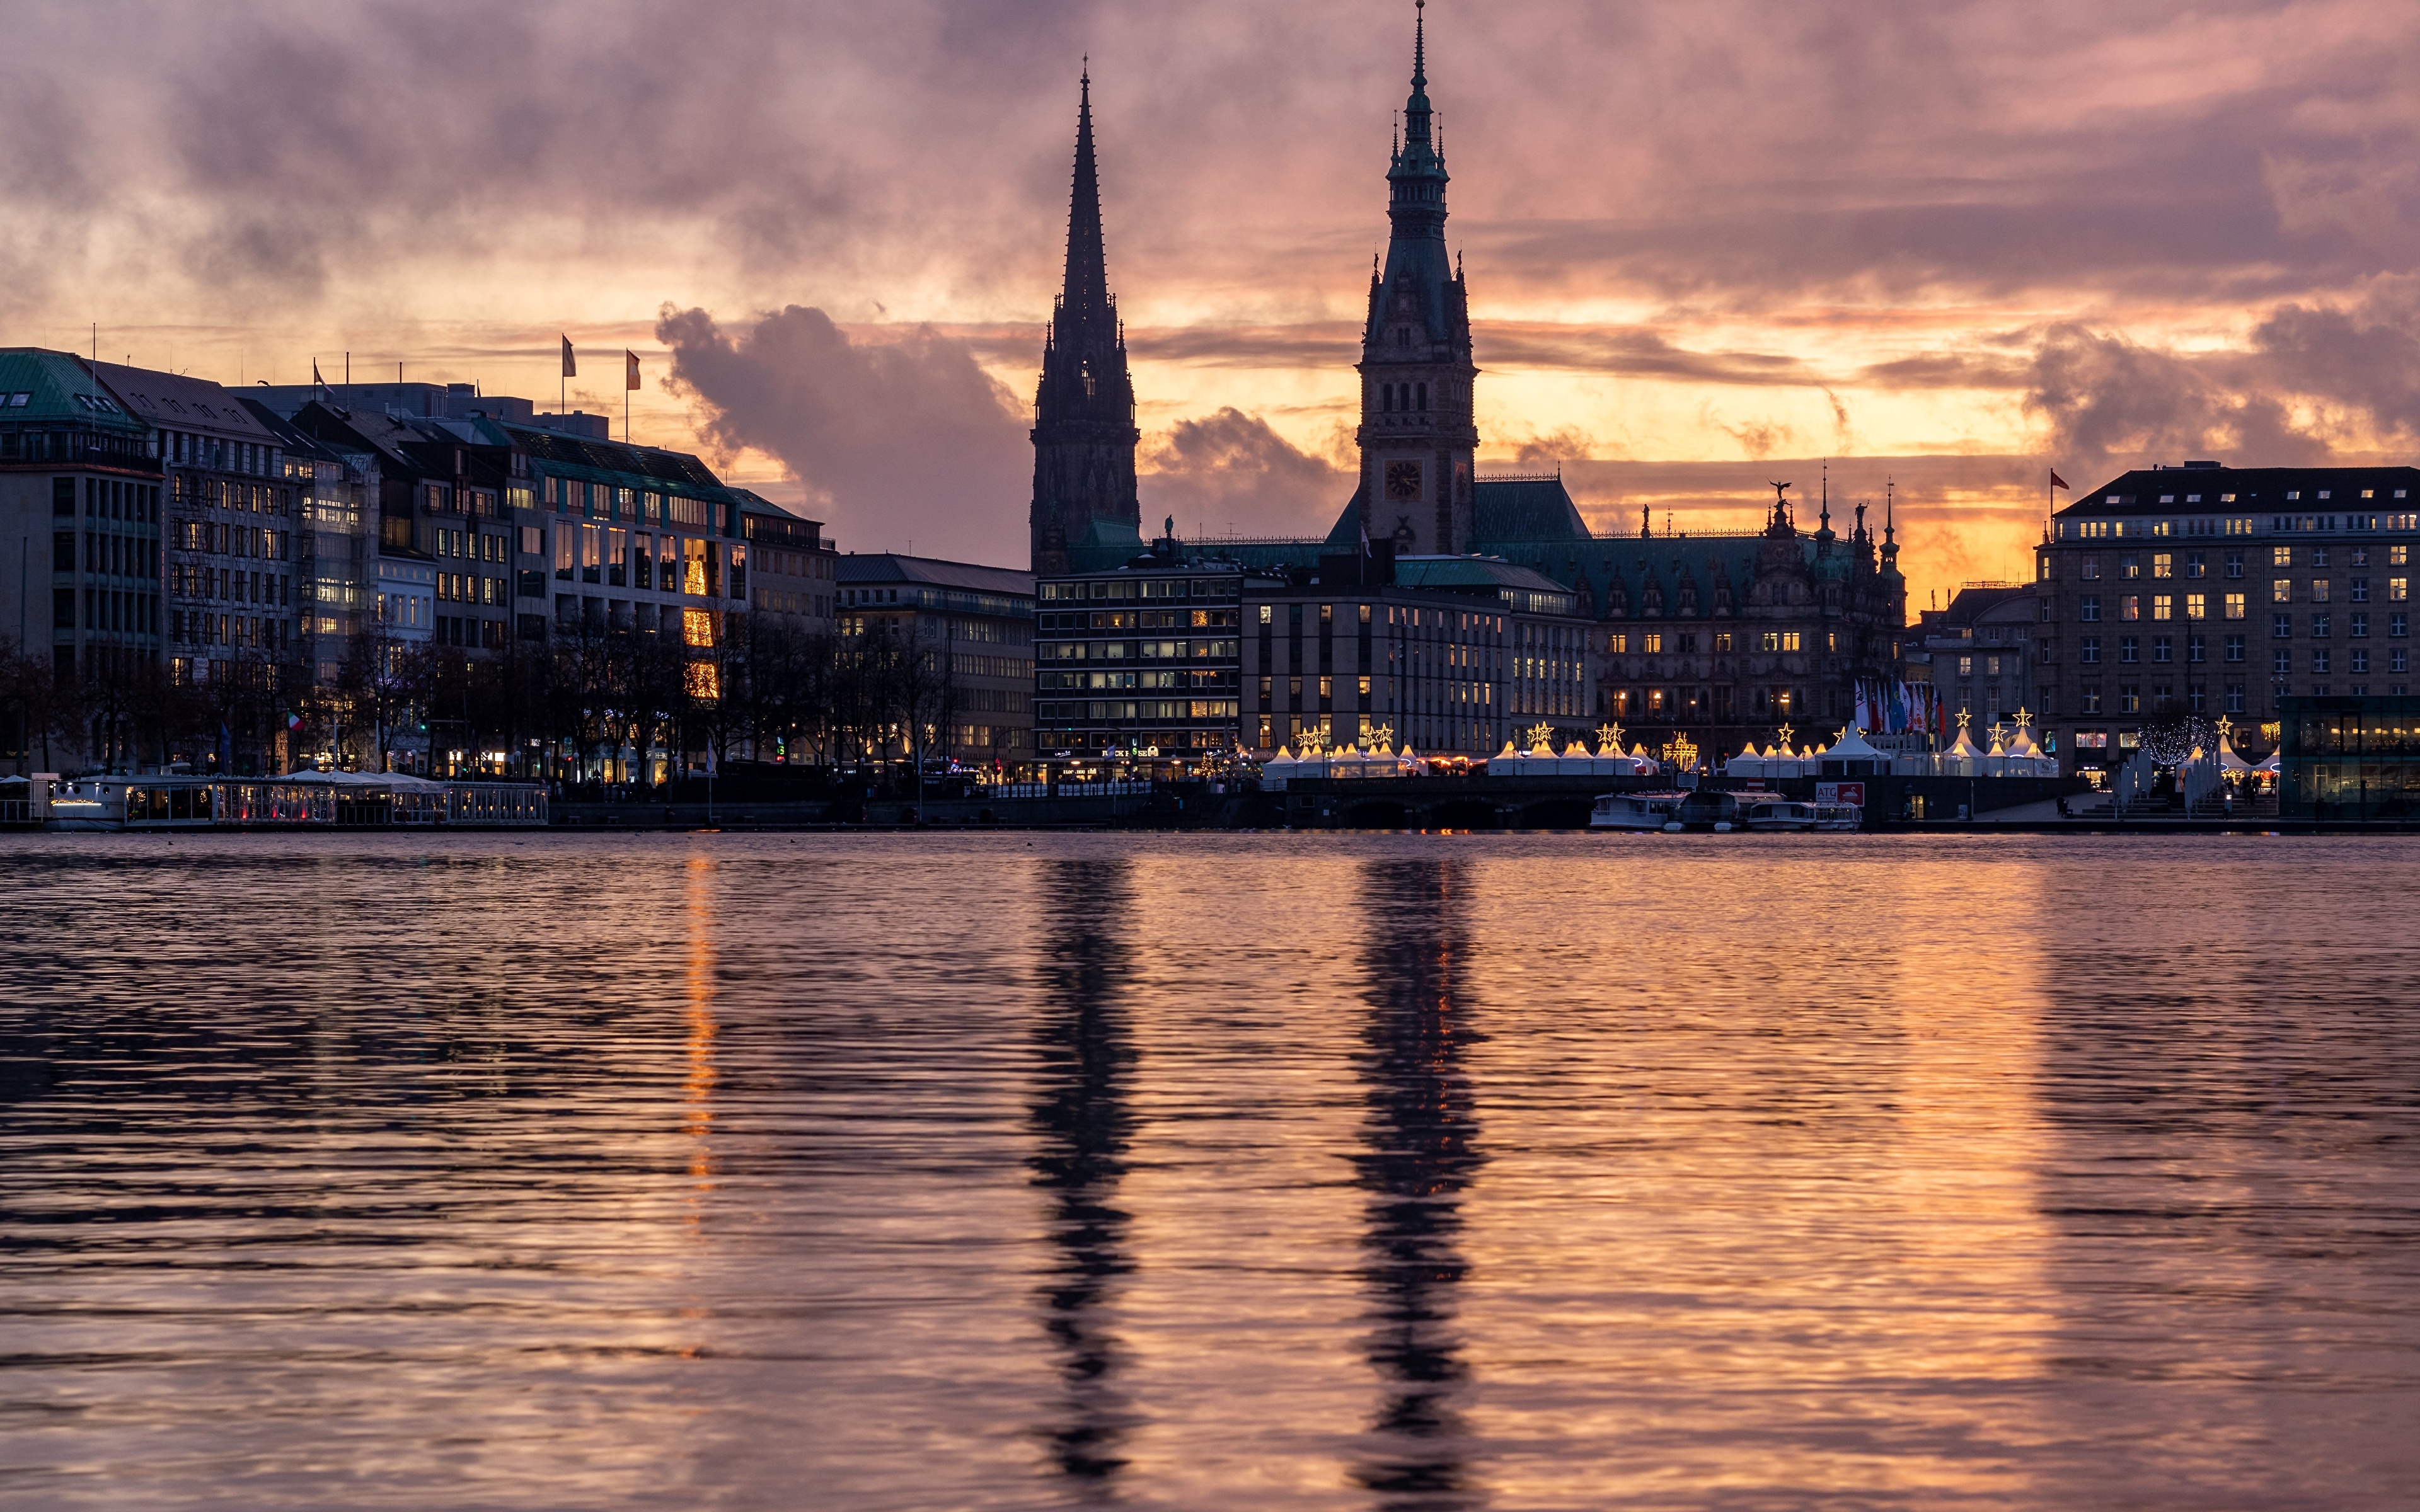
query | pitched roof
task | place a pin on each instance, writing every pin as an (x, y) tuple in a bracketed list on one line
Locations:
[(176, 401), (58, 386)]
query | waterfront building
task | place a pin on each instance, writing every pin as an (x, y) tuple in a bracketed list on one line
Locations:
[(1449, 654), (1978, 654), (1140, 665), (82, 496), (229, 532), (332, 547), (2348, 756), (971, 628), (2210, 590)]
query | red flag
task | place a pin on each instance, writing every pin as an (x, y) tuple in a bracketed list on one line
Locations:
[(2058, 482)]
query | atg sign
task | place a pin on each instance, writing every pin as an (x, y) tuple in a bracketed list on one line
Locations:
[(1840, 792)]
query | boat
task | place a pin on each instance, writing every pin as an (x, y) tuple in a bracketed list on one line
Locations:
[(1839, 816), (1767, 814), (1635, 811)]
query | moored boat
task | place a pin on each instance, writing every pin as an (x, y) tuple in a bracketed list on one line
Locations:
[(1635, 811), (1771, 814)]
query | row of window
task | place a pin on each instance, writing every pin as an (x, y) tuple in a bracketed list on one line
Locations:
[(1226, 589), (228, 585), (107, 609), (1215, 677), (1148, 618), (1136, 649)]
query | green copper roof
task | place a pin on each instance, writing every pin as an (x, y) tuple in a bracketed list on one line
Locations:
[(39, 386)]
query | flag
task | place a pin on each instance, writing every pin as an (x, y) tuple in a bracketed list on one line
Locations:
[(1365, 537), (630, 376), (571, 368), (317, 381), (2058, 482), (293, 721)]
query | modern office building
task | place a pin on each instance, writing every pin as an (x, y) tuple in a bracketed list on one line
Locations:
[(82, 504), (2348, 756), (974, 627), (1142, 665), (2212, 590)]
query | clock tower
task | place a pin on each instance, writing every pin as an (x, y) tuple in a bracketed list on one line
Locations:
[(1417, 435)]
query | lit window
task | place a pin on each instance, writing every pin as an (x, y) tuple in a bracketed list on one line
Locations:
[(2281, 589)]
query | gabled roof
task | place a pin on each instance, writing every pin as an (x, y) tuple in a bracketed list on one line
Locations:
[(1524, 509), (176, 401), (56, 386)]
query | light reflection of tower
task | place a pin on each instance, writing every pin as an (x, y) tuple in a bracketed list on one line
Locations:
[(1083, 1126), (697, 1088), (1421, 1135)]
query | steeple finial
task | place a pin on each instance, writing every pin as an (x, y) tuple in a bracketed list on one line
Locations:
[(1088, 277), (1419, 44)]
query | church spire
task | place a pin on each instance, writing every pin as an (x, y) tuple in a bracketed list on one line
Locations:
[(1084, 431), (1088, 274)]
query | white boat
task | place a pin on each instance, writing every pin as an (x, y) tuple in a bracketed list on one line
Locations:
[(1839, 816), (1635, 811), (1778, 814)]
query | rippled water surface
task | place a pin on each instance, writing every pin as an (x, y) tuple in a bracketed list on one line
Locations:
[(1043, 1171)]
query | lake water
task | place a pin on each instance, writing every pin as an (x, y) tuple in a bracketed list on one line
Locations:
[(1270, 1172)]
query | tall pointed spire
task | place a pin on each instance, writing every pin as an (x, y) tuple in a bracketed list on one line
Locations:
[(1084, 432), (1088, 274)]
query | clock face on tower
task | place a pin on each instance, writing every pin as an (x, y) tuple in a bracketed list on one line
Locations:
[(1403, 480)]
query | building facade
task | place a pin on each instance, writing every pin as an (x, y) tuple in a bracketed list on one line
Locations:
[(2216, 591), (1978, 656), (84, 499), (970, 629), (1142, 665)]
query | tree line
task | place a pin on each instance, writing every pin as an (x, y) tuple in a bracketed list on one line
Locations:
[(559, 709)]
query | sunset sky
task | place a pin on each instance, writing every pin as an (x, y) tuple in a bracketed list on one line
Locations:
[(1709, 244)]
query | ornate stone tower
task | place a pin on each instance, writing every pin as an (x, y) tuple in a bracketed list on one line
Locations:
[(1084, 431), (1417, 435)]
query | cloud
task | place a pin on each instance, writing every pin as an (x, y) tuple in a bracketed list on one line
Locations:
[(2364, 359), (1230, 471), (893, 439), (2108, 401)]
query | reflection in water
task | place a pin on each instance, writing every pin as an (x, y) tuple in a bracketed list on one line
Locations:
[(1421, 1134), (697, 1088), (1080, 1116)]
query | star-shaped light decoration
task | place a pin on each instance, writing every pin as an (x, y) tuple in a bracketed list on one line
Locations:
[(1786, 732), (2024, 719), (1609, 735), (1541, 734)]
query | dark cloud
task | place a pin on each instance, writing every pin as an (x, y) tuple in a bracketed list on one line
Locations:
[(2107, 400), (1228, 471), (902, 440), (2364, 359), (1634, 351)]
